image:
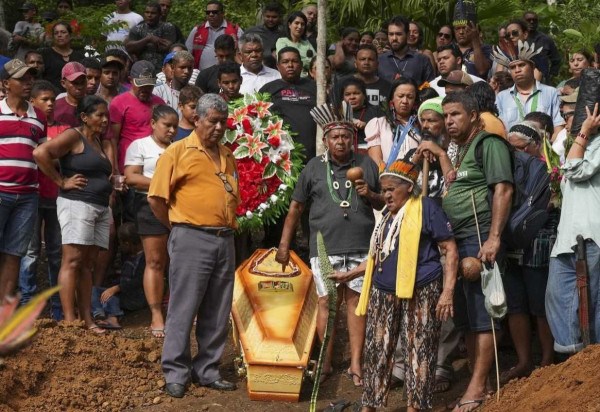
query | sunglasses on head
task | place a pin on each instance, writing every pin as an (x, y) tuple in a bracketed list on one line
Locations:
[(211, 12), (444, 36)]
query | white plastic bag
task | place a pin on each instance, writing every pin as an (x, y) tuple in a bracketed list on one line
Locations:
[(493, 290)]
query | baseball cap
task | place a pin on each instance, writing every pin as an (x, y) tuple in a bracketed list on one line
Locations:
[(168, 58), (142, 73), (72, 71), (111, 61), (570, 98), (15, 69), (456, 77)]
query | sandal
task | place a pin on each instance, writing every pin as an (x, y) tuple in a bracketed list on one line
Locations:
[(108, 326), (353, 376), (476, 402), (442, 384), (97, 330), (158, 333), (513, 373)]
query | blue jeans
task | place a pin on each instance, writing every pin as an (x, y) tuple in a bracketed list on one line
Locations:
[(562, 301), (17, 218), (29, 262), (111, 307)]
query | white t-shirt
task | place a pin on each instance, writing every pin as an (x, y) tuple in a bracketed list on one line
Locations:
[(559, 144), (144, 152), (132, 19)]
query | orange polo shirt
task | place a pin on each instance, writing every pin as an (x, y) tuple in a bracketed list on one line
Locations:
[(186, 177)]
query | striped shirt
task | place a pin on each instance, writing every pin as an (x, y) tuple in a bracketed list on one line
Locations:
[(18, 137)]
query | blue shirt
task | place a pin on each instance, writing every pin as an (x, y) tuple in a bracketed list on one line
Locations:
[(435, 228), (511, 113), (182, 133), (413, 65)]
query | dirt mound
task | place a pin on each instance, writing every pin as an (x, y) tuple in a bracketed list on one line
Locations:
[(70, 368), (569, 386)]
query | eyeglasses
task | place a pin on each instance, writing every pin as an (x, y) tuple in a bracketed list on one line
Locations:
[(211, 12), (227, 185), (566, 115), (509, 34), (444, 36)]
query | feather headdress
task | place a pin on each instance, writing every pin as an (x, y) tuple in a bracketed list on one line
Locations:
[(330, 117), (524, 52), (401, 168)]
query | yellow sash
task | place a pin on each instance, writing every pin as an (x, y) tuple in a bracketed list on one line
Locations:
[(408, 254)]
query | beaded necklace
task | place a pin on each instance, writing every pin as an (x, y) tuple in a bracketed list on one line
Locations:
[(462, 152), (334, 190)]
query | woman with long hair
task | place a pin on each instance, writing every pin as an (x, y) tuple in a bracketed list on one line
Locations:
[(140, 162), (296, 37)]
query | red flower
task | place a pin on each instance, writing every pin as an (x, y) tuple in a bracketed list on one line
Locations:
[(252, 110), (230, 123), (274, 141), (247, 126)]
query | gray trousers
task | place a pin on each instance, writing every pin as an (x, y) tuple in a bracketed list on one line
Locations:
[(201, 275)]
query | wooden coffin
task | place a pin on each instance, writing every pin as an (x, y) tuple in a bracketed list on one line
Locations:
[(275, 315)]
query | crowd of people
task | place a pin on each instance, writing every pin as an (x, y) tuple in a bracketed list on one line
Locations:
[(115, 156)]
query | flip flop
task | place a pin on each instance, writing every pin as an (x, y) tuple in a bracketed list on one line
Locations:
[(351, 375), (477, 402), (158, 333), (337, 406), (108, 326), (512, 373), (97, 330)]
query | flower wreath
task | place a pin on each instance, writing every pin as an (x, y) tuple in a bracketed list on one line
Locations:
[(268, 160)]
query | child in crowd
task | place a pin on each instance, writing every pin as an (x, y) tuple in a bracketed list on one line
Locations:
[(43, 96), (188, 100), (108, 303)]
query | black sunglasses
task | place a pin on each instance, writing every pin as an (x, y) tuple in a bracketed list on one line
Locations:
[(509, 34), (227, 185), (566, 115), (445, 36), (211, 12)]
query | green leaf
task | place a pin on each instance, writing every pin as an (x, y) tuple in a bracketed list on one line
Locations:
[(257, 157), (230, 136), (241, 152), (270, 170), (572, 32)]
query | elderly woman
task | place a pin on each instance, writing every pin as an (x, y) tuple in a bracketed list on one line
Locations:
[(82, 204), (403, 294), (579, 216), (343, 213)]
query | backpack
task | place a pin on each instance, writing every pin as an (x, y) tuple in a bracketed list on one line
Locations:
[(530, 197)]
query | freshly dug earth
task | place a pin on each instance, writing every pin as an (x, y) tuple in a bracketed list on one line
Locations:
[(569, 386), (68, 368)]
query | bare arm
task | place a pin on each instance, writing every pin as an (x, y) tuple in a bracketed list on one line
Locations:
[(375, 154), (501, 205), (375, 199), (109, 151), (289, 228), (46, 154), (338, 58), (351, 274), (445, 306), (137, 46), (116, 135), (135, 178), (426, 149), (160, 209), (482, 64)]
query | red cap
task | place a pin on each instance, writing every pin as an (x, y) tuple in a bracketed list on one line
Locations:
[(72, 71)]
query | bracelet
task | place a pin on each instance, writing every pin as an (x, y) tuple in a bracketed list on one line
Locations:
[(582, 135), (579, 144)]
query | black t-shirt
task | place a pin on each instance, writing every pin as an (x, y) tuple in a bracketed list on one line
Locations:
[(377, 92), (207, 79), (342, 235), (293, 102), (54, 63), (364, 115)]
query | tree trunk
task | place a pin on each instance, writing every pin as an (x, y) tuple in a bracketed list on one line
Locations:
[(321, 56), (2, 18)]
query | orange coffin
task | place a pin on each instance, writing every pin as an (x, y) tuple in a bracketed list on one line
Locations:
[(275, 315)]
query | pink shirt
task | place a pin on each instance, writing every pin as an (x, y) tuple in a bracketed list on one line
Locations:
[(379, 133), (134, 117)]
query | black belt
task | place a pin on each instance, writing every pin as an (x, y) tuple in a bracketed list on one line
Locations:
[(216, 231)]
